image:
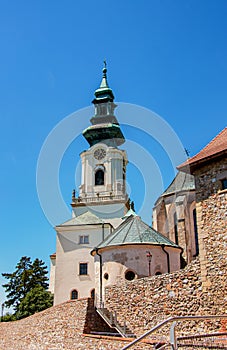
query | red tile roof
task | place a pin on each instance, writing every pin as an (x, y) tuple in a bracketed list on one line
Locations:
[(214, 149)]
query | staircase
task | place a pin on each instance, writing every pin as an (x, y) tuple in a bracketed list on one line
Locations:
[(111, 320)]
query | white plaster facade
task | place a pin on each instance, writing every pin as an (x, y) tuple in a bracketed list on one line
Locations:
[(113, 163), (71, 253), (109, 199), (118, 260)]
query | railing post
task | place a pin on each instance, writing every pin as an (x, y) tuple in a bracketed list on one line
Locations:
[(173, 339)]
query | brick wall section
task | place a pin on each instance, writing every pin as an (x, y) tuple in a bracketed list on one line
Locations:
[(198, 289), (59, 327), (211, 205), (146, 302)]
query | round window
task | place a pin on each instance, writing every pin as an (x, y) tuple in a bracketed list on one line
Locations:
[(106, 276), (130, 275)]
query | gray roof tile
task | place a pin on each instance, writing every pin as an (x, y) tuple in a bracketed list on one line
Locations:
[(134, 230)]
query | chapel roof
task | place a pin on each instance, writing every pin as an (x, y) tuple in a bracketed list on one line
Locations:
[(87, 218), (214, 149), (134, 231)]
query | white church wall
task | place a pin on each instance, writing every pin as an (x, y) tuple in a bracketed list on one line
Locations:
[(52, 273), (113, 165), (70, 254)]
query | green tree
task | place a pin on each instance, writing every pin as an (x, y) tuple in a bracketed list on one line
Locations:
[(27, 276), (19, 282), (8, 317), (38, 299), (39, 274)]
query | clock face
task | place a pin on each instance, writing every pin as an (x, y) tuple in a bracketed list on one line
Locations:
[(99, 153)]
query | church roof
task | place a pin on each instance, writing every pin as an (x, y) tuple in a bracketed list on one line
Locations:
[(102, 132), (216, 148), (134, 231), (105, 127), (87, 218), (181, 182), (104, 92)]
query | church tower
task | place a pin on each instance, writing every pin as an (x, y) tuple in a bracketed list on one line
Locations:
[(99, 207), (99, 223), (103, 180)]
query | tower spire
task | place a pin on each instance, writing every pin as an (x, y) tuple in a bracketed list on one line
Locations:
[(105, 127), (104, 83), (104, 93)]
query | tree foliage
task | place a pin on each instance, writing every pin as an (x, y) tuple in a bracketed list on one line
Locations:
[(23, 282), (8, 317), (37, 299)]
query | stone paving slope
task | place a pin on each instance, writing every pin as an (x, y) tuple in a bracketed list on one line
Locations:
[(59, 327)]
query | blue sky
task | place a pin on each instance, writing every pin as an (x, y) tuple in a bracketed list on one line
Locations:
[(169, 56)]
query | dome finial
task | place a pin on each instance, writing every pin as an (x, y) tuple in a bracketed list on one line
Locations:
[(104, 70), (104, 83)]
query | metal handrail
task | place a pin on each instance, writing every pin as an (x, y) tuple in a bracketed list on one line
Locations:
[(113, 322), (172, 319)]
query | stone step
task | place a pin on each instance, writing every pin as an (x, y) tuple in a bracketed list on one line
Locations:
[(110, 319)]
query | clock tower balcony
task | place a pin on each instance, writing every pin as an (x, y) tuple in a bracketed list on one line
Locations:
[(99, 198)]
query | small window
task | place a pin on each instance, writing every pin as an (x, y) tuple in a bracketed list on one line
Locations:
[(106, 276), (93, 293), (99, 177), (175, 228), (130, 275), (158, 273), (84, 240), (74, 294), (83, 269), (224, 184)]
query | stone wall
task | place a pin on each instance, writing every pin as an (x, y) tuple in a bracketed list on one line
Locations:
[(211, 207), (145, 302), (199, 289), (59, 327)]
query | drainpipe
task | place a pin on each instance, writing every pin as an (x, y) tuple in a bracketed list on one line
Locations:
[(103, 233), (167, 254), (100, 275)]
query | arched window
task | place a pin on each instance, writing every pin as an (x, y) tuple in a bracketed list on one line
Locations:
[(99, 177), (93, 293), (74, 294), (175, 229)]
